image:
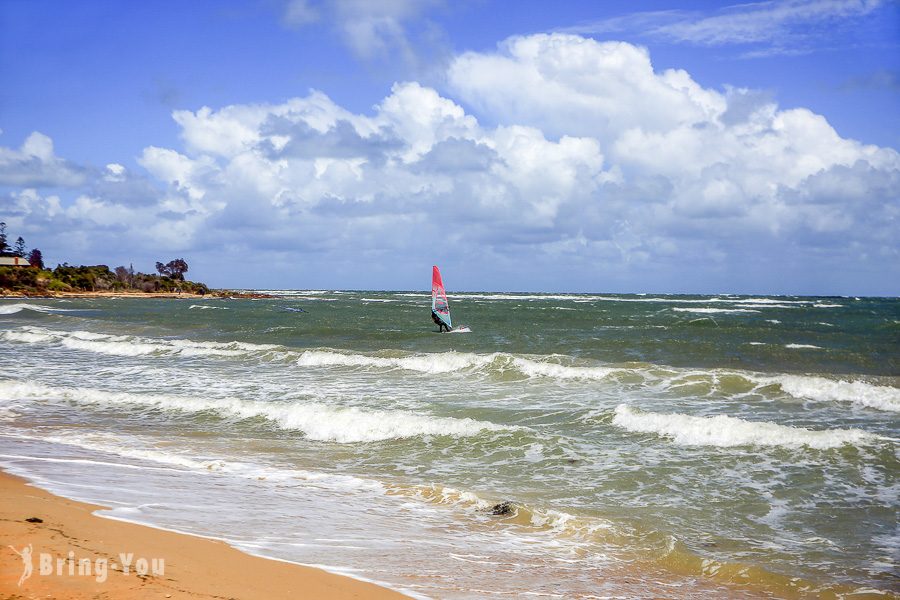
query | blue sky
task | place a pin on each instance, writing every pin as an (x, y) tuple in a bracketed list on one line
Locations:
[(613, 146)]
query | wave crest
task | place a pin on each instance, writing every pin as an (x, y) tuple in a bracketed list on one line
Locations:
[(11, 309), (726, 432), (859, 393), (317, 421)]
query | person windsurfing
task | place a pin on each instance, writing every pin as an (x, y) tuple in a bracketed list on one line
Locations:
[(440, 309), (437, 321)]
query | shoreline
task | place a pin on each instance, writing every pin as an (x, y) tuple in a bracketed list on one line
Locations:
[(79, 554), (218, 294)]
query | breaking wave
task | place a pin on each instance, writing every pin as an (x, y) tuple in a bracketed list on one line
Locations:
[(539, 368), (316, 421), (442, 362), (555, 367), (724, 311), (127, 345), (11, 309), (726, 432), (860, 393), (139, 449)]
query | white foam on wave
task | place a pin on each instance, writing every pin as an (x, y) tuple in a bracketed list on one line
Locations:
[(803, 347), (863, 394), (428, 363), (144, 451), (860, 393), (11, 309), (474, 296), (207, 307), (451, 362), (28, 337), (439, 362), (726, 432), (715, 310), (319, 422), (291, 292), (127, 345), (538, 368)]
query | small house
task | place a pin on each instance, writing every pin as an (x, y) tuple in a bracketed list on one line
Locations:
[(13, 261)]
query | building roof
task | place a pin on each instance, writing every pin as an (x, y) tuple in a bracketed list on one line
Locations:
[(13, 261)]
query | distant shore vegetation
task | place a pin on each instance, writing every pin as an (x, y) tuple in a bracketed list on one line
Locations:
[(36, 279)]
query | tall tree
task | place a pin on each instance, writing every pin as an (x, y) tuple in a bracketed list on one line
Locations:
[(122, 274), (3, 246), (36, 258), (174, 268), (20, 247)]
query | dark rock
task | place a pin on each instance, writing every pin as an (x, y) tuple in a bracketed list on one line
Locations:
[(503, 508), (34, 520)]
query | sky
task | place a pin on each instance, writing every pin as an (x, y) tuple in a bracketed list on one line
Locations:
[(524, 145)]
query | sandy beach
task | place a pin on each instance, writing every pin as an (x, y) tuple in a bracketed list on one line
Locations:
[(186, 566)]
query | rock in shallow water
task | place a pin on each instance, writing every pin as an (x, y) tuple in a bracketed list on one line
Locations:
[(503, 508)]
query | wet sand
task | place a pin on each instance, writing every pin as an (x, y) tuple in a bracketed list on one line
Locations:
[(191, 567)]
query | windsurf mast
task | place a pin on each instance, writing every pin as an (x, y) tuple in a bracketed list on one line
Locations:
[(439, 305)]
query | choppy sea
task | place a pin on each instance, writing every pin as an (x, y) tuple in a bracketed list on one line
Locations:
[(568, 446)]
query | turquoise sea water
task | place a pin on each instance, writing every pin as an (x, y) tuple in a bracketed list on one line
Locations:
[(680, 446)]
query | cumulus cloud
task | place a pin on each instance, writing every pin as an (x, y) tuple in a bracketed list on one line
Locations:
[(575, 156), (35, 164), (570, 84)]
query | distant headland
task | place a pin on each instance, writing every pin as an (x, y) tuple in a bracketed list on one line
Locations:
[(23, 274)]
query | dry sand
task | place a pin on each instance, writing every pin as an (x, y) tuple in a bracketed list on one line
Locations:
[(194, 567)]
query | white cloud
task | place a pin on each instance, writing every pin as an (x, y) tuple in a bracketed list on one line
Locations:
[(775, 27), (764, 21), (569, 84), (372, 30), (183, 173), (298, 13), (35, 164), (584, 160)]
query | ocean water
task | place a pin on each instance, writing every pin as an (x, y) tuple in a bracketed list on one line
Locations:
[(647, 446)]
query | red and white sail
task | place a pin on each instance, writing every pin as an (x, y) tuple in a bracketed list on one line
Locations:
[(439, 304)]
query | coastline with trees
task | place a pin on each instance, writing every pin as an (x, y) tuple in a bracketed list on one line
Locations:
[(36, 280)]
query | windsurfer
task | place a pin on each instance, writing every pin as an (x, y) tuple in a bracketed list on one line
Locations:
[(437, 321)]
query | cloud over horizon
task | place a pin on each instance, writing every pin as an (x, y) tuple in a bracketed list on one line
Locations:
[(551, 159)]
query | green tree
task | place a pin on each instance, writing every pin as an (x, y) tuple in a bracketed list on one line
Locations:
[(20, 247), (174, 269), (3, 246), (36, 258), (121, 274)]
